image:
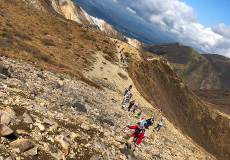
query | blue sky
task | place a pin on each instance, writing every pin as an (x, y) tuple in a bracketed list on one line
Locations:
[(210, 12), (201, 24)]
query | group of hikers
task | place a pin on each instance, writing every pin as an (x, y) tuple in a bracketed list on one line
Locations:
[(139, 133), (122, 57), (136, 138)]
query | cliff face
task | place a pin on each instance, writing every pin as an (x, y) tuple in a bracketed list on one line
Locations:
[(71, 11)]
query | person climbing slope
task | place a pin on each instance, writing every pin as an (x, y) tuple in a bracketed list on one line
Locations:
[(131, 104), (149, 122), (160, 124), (136, 138), (138, 114), (142, 119), (135, 107)]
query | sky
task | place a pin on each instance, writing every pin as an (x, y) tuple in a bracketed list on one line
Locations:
[(201, 24)]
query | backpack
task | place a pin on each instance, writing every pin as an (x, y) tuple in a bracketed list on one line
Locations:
[(137, 132)]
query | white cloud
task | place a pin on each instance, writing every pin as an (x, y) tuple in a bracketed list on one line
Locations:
[(131, 10), (178, 20), (114, 1), (221, 29)]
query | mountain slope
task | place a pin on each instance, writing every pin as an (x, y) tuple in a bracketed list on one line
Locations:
[(193, 68), (52, 54), (222, 66)]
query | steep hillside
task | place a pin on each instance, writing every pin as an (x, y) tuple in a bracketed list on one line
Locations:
[(220, 98), (195, 118), (189, 65), (222, 66), (49, 41), (61, 90)]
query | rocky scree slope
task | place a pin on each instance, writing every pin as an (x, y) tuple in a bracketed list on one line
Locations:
[(47, 115)]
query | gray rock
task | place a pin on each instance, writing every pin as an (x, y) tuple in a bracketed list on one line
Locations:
[(95, 157), (5, 131), (27, 118), (22, 144), (33, 151), (7, 71), (65, 146), (80, 107), (10, 158), (2, 76), (5, 119), (56, 85)]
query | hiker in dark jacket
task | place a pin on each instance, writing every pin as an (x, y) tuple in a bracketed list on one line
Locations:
[(149, 122), (136, 138), (131, 104), (130, 87)]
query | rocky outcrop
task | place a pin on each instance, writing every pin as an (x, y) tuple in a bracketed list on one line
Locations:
[(71, 11)]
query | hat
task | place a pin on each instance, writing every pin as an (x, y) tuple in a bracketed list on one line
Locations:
[(140, 125), (142, 117)]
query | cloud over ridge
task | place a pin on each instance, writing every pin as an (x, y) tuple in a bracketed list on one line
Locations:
[(178, 20)]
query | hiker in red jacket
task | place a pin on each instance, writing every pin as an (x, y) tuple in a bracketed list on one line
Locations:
[(136, 138)]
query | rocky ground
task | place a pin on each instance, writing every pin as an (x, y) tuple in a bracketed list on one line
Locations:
[(47, 115)]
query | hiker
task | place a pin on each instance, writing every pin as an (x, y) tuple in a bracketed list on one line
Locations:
[(130, 95), (141, 119), (126, 91), (160, 110), (137, 136), (149, 122), (123, 105), (139, 114), (130, 87), (131, 104), (160, 124), (123, 59), (126, 98), (135, 107)]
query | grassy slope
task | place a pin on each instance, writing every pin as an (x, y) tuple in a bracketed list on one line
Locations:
[(222, 66), (158, 83), (49, 42), (220, 98), (192, 67)]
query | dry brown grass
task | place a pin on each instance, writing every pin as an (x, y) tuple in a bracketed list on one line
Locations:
[(123, 76), (49, 42)]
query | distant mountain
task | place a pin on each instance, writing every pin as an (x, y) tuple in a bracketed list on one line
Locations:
[(194, 69), (124, 22), (221, 65)]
